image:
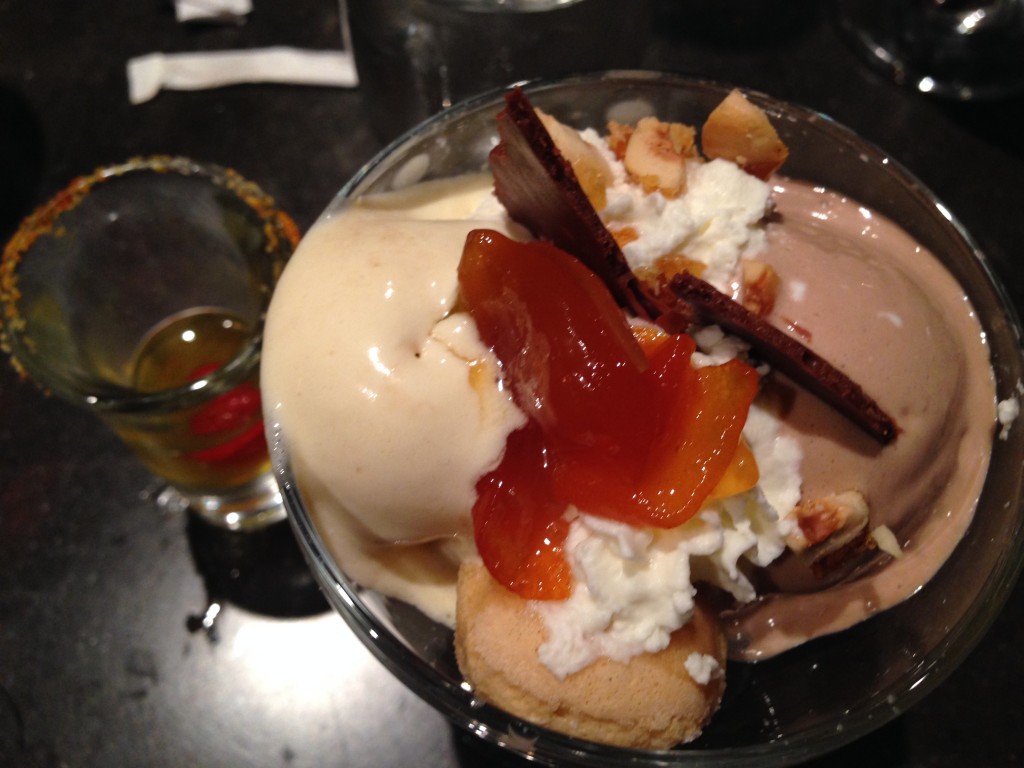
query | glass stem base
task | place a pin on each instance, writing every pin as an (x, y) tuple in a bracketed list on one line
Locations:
[(254, 506)]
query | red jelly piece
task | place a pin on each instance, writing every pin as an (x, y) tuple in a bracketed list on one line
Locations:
[(560, 337), (611, 433), (519, 525)]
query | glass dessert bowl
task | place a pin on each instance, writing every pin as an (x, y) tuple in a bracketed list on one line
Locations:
[(825, 692)]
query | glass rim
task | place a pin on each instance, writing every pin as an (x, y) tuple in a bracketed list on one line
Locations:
[(280, 234), (506, 7)]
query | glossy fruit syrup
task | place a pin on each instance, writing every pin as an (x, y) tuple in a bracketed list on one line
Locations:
[(620, 425)]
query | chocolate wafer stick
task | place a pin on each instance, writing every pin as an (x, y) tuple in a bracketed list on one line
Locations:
[(538, 188), (784, 353)]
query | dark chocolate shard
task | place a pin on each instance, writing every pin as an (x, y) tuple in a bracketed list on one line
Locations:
[(784, 353), (538, 188)]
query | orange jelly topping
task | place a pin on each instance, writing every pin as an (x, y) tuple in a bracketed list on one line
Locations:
[(617, 428)]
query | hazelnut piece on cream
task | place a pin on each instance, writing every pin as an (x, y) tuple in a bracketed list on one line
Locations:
[(740, 131)]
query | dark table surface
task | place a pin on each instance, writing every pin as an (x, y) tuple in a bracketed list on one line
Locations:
[(104, 656)]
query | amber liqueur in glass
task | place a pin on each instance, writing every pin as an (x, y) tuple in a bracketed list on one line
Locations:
[(218, 444)]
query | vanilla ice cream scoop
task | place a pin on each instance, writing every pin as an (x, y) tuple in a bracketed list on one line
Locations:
[(389, 403)]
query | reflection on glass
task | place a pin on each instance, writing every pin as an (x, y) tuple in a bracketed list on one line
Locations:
[(951, 48)]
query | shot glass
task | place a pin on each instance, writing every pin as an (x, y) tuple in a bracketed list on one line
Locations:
[(139, 293), (417, 57)]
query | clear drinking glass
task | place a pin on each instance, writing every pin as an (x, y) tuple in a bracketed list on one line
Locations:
[(416, 57), (139, 293), (952, 48)]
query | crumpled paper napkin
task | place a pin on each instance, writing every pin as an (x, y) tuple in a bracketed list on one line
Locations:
[(211, 10), (148, 74), (153, 72)]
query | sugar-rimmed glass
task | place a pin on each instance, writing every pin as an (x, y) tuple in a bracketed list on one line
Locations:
[(139, 292)]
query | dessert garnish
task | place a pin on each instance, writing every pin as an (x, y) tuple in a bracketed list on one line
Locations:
[(625, 431), (786, 354), (539, 189), (480, 386)]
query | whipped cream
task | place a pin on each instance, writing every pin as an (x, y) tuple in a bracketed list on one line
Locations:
[(716, 222), (702, 667), (633, 586)]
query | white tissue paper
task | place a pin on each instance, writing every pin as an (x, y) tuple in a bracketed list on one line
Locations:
[(148, 74), (207, 10)]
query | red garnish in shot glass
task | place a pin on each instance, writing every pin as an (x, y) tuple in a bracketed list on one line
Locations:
[(235, 415)]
